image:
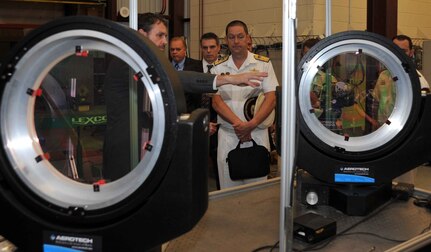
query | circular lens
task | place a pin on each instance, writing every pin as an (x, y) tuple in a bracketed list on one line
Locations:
[(355, 95), (84, 115)]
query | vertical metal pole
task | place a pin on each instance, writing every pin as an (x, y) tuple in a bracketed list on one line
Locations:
[(133, 15), (328, 31), (133, 97), (288, 135)]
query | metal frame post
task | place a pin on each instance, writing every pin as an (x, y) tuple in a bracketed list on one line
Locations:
[(328, 25), (288, 133)]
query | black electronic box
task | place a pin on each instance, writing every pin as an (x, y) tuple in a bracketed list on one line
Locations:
[(313, 228)]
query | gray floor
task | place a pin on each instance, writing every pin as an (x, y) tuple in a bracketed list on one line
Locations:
[(239, 222), (235, 222), (246, 219)]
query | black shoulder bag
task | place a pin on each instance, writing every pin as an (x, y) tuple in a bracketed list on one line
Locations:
[(246, 163)]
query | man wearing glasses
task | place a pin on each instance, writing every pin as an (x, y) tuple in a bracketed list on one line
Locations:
[(181, 62), (229, 101)]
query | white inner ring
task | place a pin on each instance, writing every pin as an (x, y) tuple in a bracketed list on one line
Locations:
[(20, 140)]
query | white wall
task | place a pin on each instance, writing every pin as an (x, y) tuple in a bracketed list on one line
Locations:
[(143, 5), (262, 17), (265, 17), (414, 18)]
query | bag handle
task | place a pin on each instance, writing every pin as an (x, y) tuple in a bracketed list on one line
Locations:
[(239, 143)]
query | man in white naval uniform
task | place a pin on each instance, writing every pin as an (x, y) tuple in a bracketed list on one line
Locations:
[(229, 101)]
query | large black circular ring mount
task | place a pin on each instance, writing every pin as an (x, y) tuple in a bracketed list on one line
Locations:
[(50, 107), (360, 108)]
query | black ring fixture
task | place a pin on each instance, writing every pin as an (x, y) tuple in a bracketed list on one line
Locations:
[(93, 145), (362, 115)]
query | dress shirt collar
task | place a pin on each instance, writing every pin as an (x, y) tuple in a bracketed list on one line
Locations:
[(180, 64), (205, 65)]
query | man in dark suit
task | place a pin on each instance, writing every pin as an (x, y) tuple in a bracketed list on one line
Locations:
[(117, 143), (180, 61), (210, 48), (154, 27)]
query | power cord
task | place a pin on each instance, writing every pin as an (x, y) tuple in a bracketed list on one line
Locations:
[(324, 243), (270, 247), (403, 191), (400, 193), (397, 196), (426, 229), (375, 235)]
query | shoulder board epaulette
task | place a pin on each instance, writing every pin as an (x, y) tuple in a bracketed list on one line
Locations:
[(219, 61), (261, 58)]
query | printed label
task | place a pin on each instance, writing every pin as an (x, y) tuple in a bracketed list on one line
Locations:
[(55, 241)]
